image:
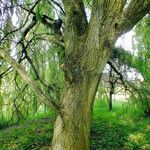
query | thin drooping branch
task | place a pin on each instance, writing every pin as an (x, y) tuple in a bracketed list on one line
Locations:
[(16, 106), (134, 12), (7, 71), (118, 73), (25, 47), (34, 85), (126, 58), (48, 22), (127, 85), (25, 54), (59, 5)]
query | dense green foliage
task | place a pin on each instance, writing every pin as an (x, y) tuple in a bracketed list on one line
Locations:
[(123, 128), (36, 54), (136, 61), (141, 62), (143, 47)]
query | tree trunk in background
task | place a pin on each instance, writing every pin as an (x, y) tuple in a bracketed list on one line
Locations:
[(110, 100), (112, 86)]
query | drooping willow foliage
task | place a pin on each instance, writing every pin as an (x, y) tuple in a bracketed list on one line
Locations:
[(38, 56), (143, 62), (123, 62), (140, 61)]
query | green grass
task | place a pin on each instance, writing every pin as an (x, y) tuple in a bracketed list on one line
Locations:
[(122, 129), (33, 134)]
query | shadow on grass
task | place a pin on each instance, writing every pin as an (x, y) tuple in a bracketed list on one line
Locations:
[(108, 136), (31, 135)]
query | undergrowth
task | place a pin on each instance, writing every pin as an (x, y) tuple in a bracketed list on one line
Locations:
[(124, 128)]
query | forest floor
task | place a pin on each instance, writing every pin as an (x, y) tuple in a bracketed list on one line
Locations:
[(125, 128)]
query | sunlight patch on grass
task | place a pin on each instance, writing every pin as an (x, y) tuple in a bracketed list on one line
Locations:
[(137, 138), (126, 120), (148, 128), (146, 147)]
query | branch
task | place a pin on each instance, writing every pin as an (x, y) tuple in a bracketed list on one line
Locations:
[(136, 62), (76, 20), (122, 79), (29, 27), (59, 5), (135, 11), (17, 111), (7, 71), (117, 72), (34, 86), (105, 16), (45, 20), (24, 47)]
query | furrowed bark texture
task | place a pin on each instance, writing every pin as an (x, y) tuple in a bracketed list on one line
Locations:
[(72, 131), (87, 50)]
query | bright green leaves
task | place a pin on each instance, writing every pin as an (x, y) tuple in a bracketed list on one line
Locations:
[(44, 8), (143, 45)]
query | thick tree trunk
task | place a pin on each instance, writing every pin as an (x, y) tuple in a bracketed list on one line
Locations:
[(72, 130), (85, 59)]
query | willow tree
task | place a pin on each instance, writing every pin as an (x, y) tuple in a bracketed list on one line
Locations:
[(87, 45)]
